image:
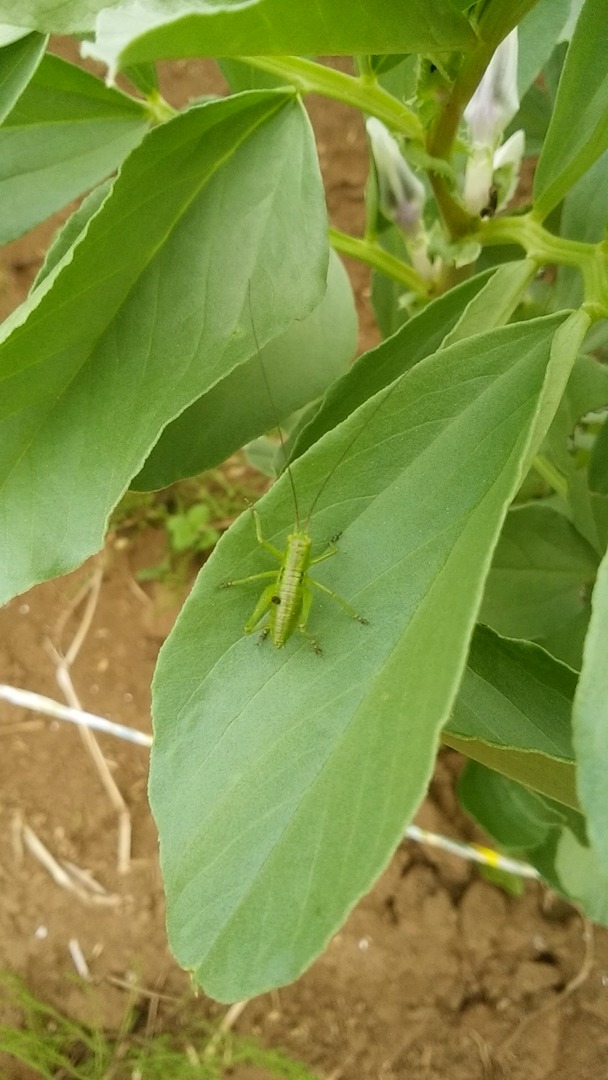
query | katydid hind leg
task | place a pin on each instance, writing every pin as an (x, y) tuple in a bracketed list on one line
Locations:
[(338, 599), (246, 580), (260, 609), (307, 599)]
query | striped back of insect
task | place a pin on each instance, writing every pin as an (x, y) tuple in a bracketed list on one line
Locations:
[(291, 592)]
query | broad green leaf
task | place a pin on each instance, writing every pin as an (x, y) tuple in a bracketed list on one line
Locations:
[(596, 341), (398, 77), (518, 819), (582, 876), (10, 33), (495, 304), (534, 116), (599, 504), (281, 782), (587, 390), (584, 217), (532, 825), (598, 466), (515, 695), (552, 71), (591, 720), (67, 17), (18, 62), (241, 76), (552, 778), (134, 33), (538, 33), (147, 312), (419, 337), (541, 575), (588, 511), (566, 641), (299, 364), (297, 367), (550, 837), (387, 295), (145, 78), (578, 132), (513, 712), (65, 134), (72, 231)]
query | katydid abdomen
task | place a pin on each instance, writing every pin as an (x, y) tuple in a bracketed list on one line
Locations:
[(288, 601)]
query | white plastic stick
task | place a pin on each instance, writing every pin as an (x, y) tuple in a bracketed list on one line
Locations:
[(474, 852), (27, 699)]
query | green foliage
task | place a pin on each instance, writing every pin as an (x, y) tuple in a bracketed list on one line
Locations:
[(591, 719), (539, 32), (53, 1045), (19, 60), (299, 364), (578, 132), (272, 27), (64, 134), (513, 714), (541, 580), (122, 322), (193, 515), (191, 303), (584, 215), (327, 740), (598, 465)]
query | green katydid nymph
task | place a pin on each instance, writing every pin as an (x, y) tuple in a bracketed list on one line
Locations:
[(285, 604)]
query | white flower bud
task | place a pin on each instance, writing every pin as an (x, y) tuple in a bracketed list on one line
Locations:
[(507, 163), (493, 105), (401, 194), (478, 179), (496, 99), (499, 171)]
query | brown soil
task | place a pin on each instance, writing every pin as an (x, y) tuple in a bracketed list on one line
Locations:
[(436, 975)]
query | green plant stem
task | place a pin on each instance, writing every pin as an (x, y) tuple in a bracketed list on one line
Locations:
[(539, 243), (371, 253), (159, 109), (496, 22), (365, 94), (543, 247), (309, 77), (443, 133), (552, 476), (365, 70), (456, 219)]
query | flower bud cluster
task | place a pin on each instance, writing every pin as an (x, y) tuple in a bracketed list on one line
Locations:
[(401, 194), (493, 169)]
